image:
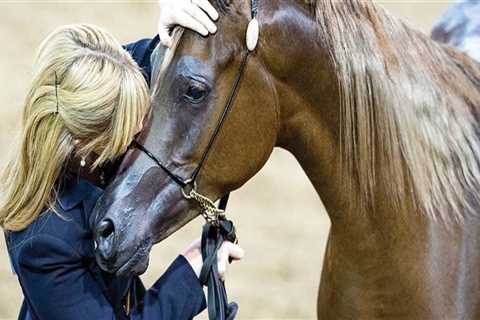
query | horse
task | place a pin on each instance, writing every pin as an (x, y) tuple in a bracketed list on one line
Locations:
[(383, 120)]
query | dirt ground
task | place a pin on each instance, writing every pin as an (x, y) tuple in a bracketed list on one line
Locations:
[(280, 219)]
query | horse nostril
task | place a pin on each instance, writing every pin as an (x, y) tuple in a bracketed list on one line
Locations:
[(106, 228), (105, 236)]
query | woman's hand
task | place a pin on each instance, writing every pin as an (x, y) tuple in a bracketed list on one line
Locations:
[(197, 15), (193, 254)]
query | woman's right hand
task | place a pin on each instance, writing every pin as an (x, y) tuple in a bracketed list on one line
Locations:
[(197, 15), (227, 251)]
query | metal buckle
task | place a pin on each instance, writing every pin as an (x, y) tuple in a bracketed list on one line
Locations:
[(191, 185)]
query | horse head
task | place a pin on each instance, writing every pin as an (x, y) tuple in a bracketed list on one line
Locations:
[(213, 124)]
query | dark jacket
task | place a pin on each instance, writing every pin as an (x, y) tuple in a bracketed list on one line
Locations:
[(55, 262), (141, 52)]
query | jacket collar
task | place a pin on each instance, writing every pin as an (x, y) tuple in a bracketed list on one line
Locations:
[(73, 190)]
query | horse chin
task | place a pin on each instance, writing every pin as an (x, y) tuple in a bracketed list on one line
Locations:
[(135, 266), (136, 263)]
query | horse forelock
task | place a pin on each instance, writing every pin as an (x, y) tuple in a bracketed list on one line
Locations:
[(409, 111), (161, 62)]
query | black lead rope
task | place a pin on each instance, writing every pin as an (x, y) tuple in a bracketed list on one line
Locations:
[(212, 238)]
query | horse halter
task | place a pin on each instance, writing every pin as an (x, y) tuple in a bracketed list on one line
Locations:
[(209, 210)]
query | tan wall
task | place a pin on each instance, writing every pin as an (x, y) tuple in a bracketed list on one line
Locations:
[(280, 220)]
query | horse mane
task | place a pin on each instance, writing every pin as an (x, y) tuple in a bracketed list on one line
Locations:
[(409, 111)]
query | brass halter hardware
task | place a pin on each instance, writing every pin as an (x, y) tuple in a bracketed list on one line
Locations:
[(208, 209)]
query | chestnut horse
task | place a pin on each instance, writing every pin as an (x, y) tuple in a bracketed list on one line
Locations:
[(383, 120)]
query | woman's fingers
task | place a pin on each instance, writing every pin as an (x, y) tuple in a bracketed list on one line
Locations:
[(228, 250), (206, 6), (193, 254), (198, 14), (186, 20)]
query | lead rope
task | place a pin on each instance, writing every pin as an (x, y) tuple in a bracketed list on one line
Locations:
[(216, 230), (213, 235)]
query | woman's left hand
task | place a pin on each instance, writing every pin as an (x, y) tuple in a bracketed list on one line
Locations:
[(197, 15), (228, 250)]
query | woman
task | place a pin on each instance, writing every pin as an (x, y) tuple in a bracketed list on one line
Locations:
[(87, 101)]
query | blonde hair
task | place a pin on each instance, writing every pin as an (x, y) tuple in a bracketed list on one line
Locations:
[(100, 99)]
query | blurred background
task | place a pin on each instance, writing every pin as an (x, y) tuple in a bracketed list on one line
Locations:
[(280, 219)]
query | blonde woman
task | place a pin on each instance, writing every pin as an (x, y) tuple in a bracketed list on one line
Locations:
[(87, 101)]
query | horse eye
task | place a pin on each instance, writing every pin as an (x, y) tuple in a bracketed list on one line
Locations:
[(195, 94)]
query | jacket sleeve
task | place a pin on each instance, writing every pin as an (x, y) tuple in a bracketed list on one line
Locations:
[(58, 285), (178, 294)]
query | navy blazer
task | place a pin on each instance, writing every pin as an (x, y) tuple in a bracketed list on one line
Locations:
[(141, 51), (55, 263)]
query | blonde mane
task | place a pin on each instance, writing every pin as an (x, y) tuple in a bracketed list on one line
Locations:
[(409, 111)]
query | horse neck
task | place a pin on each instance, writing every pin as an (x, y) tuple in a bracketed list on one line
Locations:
[(313, 138), (308, 99)]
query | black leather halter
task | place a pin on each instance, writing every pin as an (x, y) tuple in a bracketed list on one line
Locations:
[(218, 229), (189, 183)]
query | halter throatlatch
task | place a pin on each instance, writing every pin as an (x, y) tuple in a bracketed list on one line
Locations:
[(217, 228)]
